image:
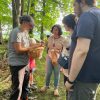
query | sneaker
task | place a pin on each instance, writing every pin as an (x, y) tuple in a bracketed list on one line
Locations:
[(43, 89), (56, 93)]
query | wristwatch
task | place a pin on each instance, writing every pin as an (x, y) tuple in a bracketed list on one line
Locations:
[(71, 82)]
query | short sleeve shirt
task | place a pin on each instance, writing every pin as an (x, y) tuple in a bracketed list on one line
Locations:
[(88, 27), (14, 58), (58, 43)]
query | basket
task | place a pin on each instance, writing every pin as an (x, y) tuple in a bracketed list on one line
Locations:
[(54, 55), (36, 52)]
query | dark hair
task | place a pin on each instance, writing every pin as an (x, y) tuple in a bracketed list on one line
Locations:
[(69, 20), (59, 29), (26, 18), (88, 2)]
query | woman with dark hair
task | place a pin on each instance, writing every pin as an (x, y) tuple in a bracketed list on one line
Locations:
[(55, 45)]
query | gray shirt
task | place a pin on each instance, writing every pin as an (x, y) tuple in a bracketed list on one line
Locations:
[(14, 58)]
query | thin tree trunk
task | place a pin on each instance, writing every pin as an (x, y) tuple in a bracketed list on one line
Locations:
[(42, 26), (0, 34), (15, 23), (42, 35), (16, 11), (18, 2), (28, 7), (22, 7)]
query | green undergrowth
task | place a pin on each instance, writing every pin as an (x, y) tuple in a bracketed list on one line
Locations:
[(39, 76)]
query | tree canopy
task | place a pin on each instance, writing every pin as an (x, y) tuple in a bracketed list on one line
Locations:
[(5, 11), (44, 12)]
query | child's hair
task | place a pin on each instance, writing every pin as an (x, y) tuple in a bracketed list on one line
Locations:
[(69, 20)]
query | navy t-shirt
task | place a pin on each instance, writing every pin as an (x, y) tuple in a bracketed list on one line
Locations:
[(88, 27)]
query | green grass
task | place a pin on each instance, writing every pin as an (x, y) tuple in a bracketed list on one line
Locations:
[(40, 80), (2, 49), (39, 76)]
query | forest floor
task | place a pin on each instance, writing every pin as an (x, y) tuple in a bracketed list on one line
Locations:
[(39, 77)]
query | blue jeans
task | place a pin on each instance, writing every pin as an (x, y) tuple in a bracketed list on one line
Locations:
[(56, 70)]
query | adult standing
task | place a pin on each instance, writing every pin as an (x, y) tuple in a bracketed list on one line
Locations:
[(18, 47), (84, 61), (55, 46)]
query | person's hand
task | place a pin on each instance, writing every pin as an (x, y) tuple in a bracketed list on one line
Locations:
[(64, 52), (61, 69), (68, 86), (31, 48)]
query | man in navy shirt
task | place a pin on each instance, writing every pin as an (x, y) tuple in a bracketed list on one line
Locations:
[(84, 64)]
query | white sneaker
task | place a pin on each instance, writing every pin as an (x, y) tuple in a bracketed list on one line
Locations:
[(56, 93)]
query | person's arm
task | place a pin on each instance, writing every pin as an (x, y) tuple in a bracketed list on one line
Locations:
[(78, 59), (65, 46), (19, 49)]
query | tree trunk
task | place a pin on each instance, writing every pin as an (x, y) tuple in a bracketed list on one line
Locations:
[(42, 35), (22, 7), (16, 11), (28, 7), (42, 26), (18, 2), (0, 33), (15, 23)]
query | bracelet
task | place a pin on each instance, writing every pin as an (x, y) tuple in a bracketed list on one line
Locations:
[(70, 81)]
